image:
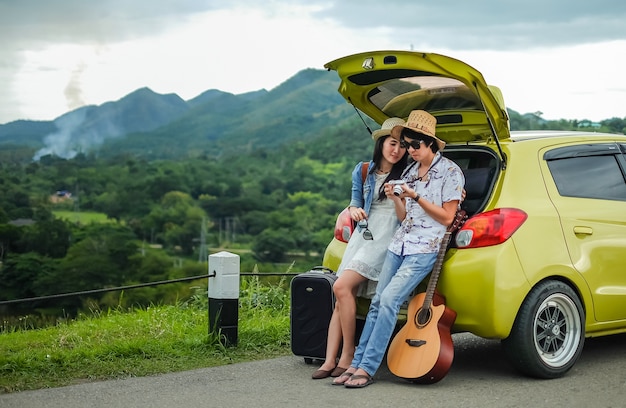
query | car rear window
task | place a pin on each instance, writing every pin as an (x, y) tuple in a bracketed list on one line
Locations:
[(588, 171), (401, 91)]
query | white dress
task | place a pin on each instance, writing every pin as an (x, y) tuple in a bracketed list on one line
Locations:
[(366, 257)]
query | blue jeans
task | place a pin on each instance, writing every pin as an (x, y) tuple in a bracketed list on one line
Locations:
[(399, 276)]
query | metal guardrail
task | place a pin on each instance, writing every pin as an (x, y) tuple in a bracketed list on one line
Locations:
[(139, 285)]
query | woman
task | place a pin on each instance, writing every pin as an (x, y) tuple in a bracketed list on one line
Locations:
[(365, 252), (428, 203)]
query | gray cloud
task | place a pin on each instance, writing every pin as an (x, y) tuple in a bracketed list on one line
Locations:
[(77, 21), (456, 24), (489, 24)]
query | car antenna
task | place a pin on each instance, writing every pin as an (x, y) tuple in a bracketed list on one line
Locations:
[(359, 113)]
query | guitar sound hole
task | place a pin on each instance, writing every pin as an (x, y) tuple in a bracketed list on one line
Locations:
[(422, 317)]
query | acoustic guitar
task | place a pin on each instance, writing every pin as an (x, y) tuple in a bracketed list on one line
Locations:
[(422, 351)]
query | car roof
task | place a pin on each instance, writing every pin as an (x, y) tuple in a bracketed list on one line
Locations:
[(389, 83), (522, 135)]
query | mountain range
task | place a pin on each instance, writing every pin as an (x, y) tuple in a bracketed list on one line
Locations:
[(215, 124), (157, 126)]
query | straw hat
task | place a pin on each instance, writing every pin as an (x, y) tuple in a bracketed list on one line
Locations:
[(385, 129), (423, 122)]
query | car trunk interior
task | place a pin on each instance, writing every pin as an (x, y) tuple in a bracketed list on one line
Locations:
[(480, 167)]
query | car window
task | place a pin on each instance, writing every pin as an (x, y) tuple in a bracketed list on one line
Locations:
[(398, 97), (596, 175)]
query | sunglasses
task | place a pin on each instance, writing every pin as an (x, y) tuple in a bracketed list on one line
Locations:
[(367, 234), (415, 144)]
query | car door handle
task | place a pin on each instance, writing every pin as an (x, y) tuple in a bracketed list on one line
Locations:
[(583, 230)]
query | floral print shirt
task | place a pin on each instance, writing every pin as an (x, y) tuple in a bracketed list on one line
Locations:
[(419, 233)]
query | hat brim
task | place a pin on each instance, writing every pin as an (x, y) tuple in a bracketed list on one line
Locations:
[(377, 134), (440, 143)]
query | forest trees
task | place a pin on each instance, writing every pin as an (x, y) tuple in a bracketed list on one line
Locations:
[(288, 206)]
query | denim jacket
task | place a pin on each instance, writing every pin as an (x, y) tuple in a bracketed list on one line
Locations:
[(363, 193)]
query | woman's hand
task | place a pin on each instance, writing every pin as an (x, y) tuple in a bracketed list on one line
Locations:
[(389, 192), (357, 213), (398, 201)]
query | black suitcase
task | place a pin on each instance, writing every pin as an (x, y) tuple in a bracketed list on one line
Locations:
[(312, 304)]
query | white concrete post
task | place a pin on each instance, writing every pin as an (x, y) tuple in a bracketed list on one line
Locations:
[(224, 296)]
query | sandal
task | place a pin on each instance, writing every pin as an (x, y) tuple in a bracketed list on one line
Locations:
[(369, 381), (340, 380)]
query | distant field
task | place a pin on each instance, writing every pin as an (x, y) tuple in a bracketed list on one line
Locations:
[(83, 217)]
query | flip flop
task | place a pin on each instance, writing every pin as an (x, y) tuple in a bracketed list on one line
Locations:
[(337, 381), (369, 381)]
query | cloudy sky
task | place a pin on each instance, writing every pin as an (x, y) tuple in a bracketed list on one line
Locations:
[(564, 58)]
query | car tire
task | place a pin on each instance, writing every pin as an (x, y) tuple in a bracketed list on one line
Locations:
[(549, 332)]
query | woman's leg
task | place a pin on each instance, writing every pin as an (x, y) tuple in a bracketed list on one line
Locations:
[(390, 266), (332, 342), (345, 289)]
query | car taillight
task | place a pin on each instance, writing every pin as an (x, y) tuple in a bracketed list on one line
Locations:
[(490, 228), (344, 226)]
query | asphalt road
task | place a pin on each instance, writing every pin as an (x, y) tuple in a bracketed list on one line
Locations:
[(479, 377)]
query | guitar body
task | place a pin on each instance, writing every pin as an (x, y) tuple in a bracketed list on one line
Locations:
[(423, 353)]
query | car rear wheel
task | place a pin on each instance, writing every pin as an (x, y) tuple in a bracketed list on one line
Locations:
[(548, 335)]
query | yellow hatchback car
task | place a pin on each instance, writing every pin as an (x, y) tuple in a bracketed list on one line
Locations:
[(539, 263)]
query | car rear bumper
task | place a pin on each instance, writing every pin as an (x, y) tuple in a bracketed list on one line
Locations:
[(486, 287)]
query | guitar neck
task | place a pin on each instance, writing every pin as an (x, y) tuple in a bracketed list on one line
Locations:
[(434, 275), (459, 219)]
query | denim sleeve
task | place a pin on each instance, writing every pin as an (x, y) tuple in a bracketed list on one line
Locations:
[(357, 200)]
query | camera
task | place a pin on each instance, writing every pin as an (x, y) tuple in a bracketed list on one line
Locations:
[(397, 186)]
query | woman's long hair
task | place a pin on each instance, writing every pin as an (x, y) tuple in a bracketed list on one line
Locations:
[(396, 169)]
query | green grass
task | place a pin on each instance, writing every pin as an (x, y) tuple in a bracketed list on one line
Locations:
[(119, 343), (82, 217)]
